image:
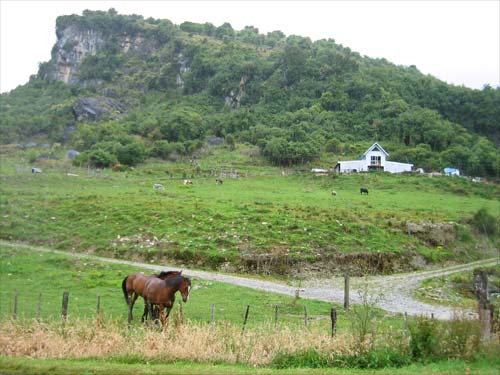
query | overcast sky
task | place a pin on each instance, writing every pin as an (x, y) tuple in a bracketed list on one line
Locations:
[(455, 41)]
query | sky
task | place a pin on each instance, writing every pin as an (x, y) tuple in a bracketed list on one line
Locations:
[(455, 41)]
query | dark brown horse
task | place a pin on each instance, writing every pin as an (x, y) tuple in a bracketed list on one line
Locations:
[(161, 293), (133, 287)]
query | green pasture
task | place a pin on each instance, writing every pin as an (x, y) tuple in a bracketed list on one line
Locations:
[(30, 273), (109, 366), (266, 210)]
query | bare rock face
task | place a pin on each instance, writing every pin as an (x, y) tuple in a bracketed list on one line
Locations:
[(433, 233), (234, 98), (94, 108), (73, 44)]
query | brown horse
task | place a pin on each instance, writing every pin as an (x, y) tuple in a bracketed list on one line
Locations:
[(133, 287), (162, 293)]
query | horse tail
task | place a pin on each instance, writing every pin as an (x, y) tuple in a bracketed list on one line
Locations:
[(124, 288)]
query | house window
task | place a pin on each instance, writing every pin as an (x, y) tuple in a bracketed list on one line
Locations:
[(376, 160)]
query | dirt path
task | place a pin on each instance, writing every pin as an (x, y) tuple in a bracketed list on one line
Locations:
[(392, 293)]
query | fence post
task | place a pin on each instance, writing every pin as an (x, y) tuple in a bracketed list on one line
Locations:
[(305, 316), (98, 307), (246, 318), (346, 292), (39, 307), (64, 311), (14, 312), (212, 322), (275, 316), (406, 324), (333, 317)]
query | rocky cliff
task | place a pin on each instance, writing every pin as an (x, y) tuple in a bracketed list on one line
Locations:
[(73, 44)]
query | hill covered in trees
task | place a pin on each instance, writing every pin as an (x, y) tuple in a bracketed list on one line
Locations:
[(121, 89)]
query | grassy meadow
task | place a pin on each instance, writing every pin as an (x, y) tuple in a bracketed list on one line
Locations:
[(266, 211), (31, 273), (367, 341)]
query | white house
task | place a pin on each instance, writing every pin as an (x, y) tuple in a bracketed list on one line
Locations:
[(374, 159)]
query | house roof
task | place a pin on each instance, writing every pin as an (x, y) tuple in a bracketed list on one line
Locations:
[(375, 147)]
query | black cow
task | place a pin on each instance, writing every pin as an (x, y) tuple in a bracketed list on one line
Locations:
[(363, 190)]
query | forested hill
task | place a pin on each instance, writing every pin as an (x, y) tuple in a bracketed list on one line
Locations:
[(123, 88)]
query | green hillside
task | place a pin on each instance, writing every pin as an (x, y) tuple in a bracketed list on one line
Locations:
[(268, 221), (121, 89)]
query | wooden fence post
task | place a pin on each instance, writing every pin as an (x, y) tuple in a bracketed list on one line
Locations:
[(64, 311), (275, 316), (212, 322), (14, 312), (305, 316), (406, 324), (246, 318), (98, 307), (39, 307), (346, 292), (333, 317)]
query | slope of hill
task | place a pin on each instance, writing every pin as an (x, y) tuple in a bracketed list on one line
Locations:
[(123, 88)]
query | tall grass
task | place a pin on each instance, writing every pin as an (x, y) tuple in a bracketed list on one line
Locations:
[(226, 343)]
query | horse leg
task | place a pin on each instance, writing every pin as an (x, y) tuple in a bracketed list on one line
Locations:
[(163, 318), (132, 300), (144, 316), (168, 311)]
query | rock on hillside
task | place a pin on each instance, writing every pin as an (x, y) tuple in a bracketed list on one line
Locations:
[(94, 108)]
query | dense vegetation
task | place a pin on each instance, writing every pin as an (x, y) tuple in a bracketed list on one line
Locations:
[(296, 100)]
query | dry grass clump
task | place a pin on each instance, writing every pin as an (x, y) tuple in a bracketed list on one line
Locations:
[(193, 341)]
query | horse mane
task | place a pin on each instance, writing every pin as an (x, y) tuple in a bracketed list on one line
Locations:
[(168, 273), (176, 280)]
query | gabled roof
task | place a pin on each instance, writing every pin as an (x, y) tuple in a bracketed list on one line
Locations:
[(375, 147)]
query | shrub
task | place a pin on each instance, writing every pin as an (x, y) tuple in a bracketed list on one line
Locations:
[(424, 338), (131, 154), (379, 357), (485, 222), (96, 158)]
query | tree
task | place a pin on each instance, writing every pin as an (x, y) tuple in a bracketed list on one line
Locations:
[(230, 142)]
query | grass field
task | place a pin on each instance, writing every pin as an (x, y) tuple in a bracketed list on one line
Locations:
[(111, 367), (92, 344), (262, 212), (30, 273)]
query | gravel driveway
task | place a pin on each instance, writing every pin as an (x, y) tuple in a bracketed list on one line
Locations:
[(391, 293)]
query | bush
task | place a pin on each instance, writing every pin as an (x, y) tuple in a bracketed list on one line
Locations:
[(380, 357), (96, 158), (424, 338), (131, 154), (485, 222)]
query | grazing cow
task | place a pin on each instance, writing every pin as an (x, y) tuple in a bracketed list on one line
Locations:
[(334, 193), (188, 182), (158, 187), (363, 190), (36, 170), (219, 181)]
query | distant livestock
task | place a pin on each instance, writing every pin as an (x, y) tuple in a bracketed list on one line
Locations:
[(158, 187), (363, 190), (36, 170), (334, 193), (187, 182), (219, 181)]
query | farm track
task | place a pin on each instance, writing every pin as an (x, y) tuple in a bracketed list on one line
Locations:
[(392, 293)]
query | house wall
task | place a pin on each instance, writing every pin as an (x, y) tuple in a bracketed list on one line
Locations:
[(353, 165), (395, 167), (368, 157)]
